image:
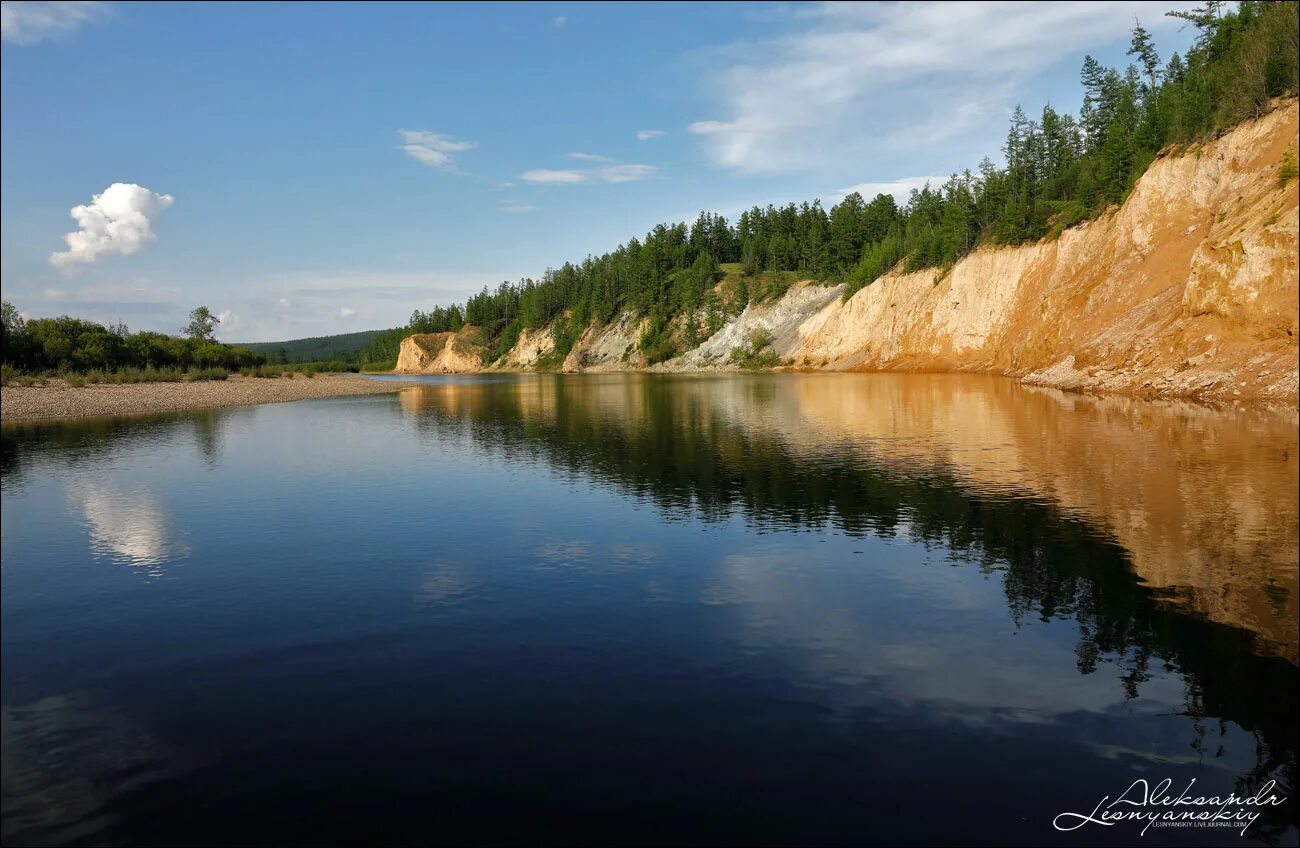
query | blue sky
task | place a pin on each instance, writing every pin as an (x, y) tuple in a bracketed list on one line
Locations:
[(311, 169)]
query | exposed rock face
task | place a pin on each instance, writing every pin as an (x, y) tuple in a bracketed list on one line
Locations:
[(608, 348), (532, 346), (1189, 289), (782, 318), (442, 353)]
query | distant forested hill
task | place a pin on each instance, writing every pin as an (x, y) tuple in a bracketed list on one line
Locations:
[(344, 347)]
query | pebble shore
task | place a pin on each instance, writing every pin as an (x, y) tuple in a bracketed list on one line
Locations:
[(56, 399)]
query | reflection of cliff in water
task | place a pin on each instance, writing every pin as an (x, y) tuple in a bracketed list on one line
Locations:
[(1201, 503), (1119, 515)]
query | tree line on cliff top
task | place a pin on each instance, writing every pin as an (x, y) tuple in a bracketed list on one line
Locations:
[(1058, 170)]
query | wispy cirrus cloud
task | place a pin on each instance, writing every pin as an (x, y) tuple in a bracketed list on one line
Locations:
[(547, 176), (626, 173), (518, 208), (432, 148), (590, 157), (615, 172), (646, 135), (842, 80), (34, 22)]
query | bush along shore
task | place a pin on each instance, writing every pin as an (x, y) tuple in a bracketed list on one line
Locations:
[(68, 368)]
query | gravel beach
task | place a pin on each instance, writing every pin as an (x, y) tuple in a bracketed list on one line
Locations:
[(58, 400)]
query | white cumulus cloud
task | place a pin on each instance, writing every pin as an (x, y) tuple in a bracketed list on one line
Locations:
[(32, 23), (117, 222), (432, 148), (226, 322), (901, 190)]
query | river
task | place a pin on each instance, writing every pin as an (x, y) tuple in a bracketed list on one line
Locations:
[(768, 608)]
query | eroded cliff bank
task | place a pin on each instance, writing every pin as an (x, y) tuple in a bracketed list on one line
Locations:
[(1189, 289), (442, 353)]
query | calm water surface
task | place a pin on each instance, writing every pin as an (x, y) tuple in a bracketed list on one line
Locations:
[(777, 608)]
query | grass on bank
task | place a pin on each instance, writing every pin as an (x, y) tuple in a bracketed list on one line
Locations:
[(11, 376), (307, 369), (758, 353)]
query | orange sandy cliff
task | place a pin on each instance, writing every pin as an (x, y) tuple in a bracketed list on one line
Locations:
[(1187, 290)]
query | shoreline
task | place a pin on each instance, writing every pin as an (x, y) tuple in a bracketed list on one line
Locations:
[(57, 401), (1190, 388)]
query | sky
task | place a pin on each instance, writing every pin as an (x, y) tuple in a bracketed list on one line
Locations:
[(311, 169)]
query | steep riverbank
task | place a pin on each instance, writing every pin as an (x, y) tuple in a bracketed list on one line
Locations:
[(1187, 290), (56, 399)]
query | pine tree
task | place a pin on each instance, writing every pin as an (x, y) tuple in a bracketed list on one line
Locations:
[(714, 318), (1145, 50), (742, 297)]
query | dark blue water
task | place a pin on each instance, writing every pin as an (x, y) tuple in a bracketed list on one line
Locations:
[(758, 609)]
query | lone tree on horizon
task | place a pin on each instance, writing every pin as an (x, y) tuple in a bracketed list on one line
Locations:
[(203, 324)]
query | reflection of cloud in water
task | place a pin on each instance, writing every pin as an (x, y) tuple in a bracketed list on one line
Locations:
[(633, 554), (855, 652), (575, 554), (563, 553), (446, 583), (130, 527), (65, 760)]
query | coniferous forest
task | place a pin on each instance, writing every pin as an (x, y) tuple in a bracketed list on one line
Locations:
[(1057, 170)]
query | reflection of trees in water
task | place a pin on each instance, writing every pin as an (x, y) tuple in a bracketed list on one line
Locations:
[(658, 443), (207, 434), (74, 444)]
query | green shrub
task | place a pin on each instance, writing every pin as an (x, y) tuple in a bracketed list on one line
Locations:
[(205, 374), (758, 353), (1287, 169), (656, 342)]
